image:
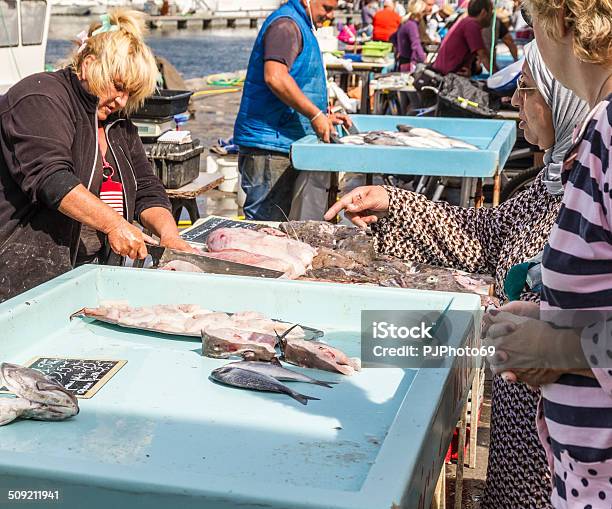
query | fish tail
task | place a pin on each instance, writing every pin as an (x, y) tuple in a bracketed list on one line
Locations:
[(329, 385), (302, 398)]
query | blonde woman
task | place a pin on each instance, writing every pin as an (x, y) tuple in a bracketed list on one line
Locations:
[(73, 172), (564, 346), (407, 40)]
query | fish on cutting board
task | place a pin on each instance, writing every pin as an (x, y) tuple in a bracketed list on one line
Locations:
[(257, 381), (180, 266), (38, 396), (276, 370), (257, 260), (297, 254), (314, 354), (224, 343)]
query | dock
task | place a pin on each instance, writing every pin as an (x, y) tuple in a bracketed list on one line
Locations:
[(225, 19)]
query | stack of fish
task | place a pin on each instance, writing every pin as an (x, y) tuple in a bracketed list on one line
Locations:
[(407, 136), (38, 397), (264, 376), (267, 248)]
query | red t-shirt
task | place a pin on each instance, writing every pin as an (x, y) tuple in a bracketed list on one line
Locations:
[(386, 22), (459, 46)]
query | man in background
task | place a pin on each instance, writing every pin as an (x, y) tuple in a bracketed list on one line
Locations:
[(386, 22), (463, 50), (284, 99)]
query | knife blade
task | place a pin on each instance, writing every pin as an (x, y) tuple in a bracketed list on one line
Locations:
[(163, 255)]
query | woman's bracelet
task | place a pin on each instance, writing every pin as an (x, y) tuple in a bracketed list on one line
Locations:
[(316, 116)]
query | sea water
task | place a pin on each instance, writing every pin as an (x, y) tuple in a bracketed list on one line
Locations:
[(193, 51)]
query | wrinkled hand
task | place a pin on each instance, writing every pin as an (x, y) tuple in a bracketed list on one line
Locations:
[(127, 240), (363, 205), (323, 126), (528, 350), (179, 244)]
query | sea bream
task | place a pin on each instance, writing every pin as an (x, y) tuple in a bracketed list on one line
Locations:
[(255, 380), (38, 396), (407, 136), (276, 370), (422, 132)]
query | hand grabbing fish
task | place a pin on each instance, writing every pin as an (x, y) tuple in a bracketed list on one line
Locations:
[(38, 397)]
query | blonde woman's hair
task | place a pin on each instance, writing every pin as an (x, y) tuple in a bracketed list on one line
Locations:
[(121, 55), (590, 21), (415, 8)]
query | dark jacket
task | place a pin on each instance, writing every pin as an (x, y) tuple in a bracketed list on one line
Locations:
[(48, 145)]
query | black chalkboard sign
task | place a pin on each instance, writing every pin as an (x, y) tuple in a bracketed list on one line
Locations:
[(81, 377), (198, 234)]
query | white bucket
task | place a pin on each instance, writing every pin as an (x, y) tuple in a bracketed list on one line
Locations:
[(229, 169)]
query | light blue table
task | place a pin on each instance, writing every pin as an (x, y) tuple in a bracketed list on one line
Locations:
[(494, 139), (160, 434)]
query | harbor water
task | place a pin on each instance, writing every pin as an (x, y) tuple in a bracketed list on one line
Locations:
[(193, 51)]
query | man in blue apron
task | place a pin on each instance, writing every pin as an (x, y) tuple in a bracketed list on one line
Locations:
[(284, 99)]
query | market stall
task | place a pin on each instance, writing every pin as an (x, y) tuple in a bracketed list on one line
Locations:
[(161, 433), (492, 142)]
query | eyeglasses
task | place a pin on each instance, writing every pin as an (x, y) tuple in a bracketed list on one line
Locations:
[(526, 16), (521, 87)]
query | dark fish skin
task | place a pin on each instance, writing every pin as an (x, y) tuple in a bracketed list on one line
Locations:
[(255, 381), (276, 370)]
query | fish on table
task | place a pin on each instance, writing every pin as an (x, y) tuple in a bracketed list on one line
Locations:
[(407, 136), (314, 354), (256, 381), (276, 370), (225, 343), (38, 396)]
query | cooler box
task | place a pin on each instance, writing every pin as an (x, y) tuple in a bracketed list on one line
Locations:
[(176, 164)]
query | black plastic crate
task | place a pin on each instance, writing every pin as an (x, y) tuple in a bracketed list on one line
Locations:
[(176, 165), (164, 103)]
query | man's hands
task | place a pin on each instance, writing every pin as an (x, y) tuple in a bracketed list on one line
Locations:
[(363, 205)]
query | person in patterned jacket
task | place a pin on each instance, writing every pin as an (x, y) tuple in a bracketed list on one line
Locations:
[(490, 241)]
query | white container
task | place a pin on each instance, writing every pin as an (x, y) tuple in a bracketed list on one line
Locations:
[(211, 164), (229, 169)]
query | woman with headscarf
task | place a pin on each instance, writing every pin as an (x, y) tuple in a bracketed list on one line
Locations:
[(504, 241)]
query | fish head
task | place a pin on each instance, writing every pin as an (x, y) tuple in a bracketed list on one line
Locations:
[(32, 385)]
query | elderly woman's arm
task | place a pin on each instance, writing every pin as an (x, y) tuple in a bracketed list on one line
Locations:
[(437, 233)]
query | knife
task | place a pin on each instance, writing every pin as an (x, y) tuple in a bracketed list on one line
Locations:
[(163, 255)]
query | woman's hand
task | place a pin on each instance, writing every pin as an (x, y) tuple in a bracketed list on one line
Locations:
[(530, 350), (363, 205), (127, 240), (177, 243)]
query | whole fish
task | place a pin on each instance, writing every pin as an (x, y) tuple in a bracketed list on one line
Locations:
[(423, 133), (276, 370), (256, 381), (38, 397)]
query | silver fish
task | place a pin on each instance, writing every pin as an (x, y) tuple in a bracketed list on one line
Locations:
[(276, 370), (421, 132), (38, 397), (254, 380)]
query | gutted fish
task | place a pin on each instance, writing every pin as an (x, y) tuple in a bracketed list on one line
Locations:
[(314, 354), (295, 253), (422, 132), (38, 396), (407, 136), (275, 369), (223, 343), (186, 319), (256, 260), (256, 381)]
